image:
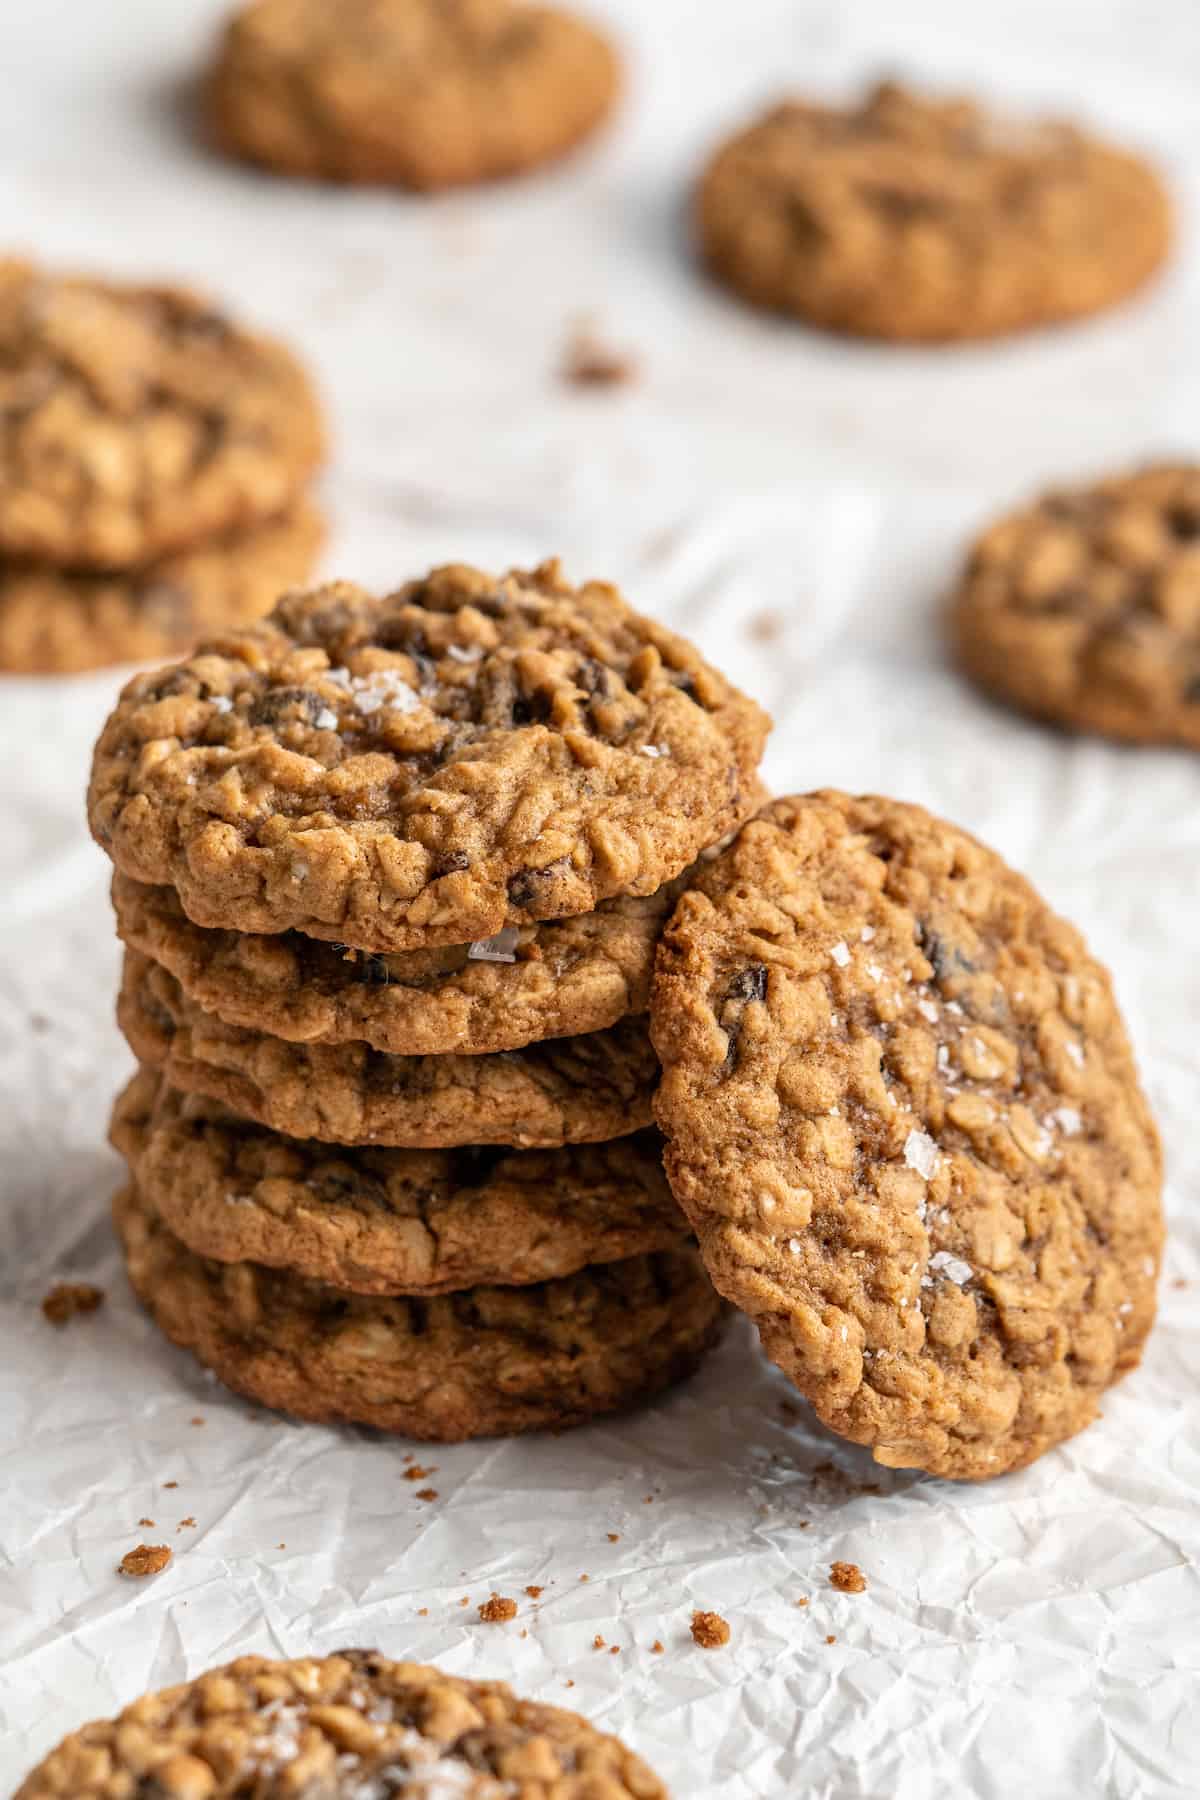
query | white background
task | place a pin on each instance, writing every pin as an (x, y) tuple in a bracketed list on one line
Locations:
[(1037, 1637)]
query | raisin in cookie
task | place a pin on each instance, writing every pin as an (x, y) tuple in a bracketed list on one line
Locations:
[(560, 978), (484, 1362), (1084, 607), (389, 1221), (343, 1727), (419, 93), (910, 217), (427, 769), (902, 1114), (57, 622), (136, 421), (578, 1090)]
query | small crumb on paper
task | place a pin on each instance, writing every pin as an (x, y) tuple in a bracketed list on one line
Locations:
[(187, 1524), (831, 1639), (657, 1647), (847, 1578), (427, 1493), (614, 1537), (709, 1630), (416, 1473), (146, 1559), (146, 1524), (535, 1593), (588, 362), (69, 1300), (498, 1610), (598, 1643)]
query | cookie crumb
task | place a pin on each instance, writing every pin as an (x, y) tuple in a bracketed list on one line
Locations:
[(831, 1639), (535, 1593), (170, 1484), (657, 1647), (465, 1601), (570, 1683), (196, 1421), (614, 1537), (146, 1524), (422, 1612), (281, 1546), (588, 362), (648, 1500), (146, 1559), (69, 1300), (766, 628), (416, 1473), (847, 1578), (615, 1651), (497, 1610), (803, 1600), (598, 1643), (585, 1578), (187, 1524), (709, 1630), (427, 1493)]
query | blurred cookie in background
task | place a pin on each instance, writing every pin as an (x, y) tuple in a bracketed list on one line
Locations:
[(138, 420), (154, 458), (915, 218), (421, 94), (62, 621), (1083, 607)]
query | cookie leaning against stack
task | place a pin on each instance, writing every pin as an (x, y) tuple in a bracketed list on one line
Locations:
[(153, 465), (390, 874)]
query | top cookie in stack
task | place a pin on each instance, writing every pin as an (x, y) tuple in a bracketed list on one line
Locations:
[(391, 873), (153, 464)]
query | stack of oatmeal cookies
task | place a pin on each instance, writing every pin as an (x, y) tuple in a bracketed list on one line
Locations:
[(390, 877), (154, 461)]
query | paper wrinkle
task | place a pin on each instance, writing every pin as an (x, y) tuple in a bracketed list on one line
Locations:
[(799, 506)]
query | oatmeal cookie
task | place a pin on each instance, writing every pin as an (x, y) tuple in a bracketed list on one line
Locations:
[(902, 1113), (484, 1362), (421, 94), (137, 421), (390, 1221), (426, 769), (348, 1725), (1083, 608), (56, 622), (912, 217), (560, 978), (578, 1090)]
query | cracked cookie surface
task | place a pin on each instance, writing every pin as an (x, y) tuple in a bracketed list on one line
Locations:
[(467, 754), (1084, 607), (138, 421), (561, 978), (379, 1221), (55, 622), (425, 94), (484, 1362), (345, 1726), (577, 1090), (912, 217), (903, 1115)]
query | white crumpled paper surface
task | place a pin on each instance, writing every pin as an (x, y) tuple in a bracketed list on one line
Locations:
[(1037, 1637)]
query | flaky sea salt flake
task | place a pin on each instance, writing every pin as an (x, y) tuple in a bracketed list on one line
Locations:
[(840, 955), (921, 1153), (499, 949)]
